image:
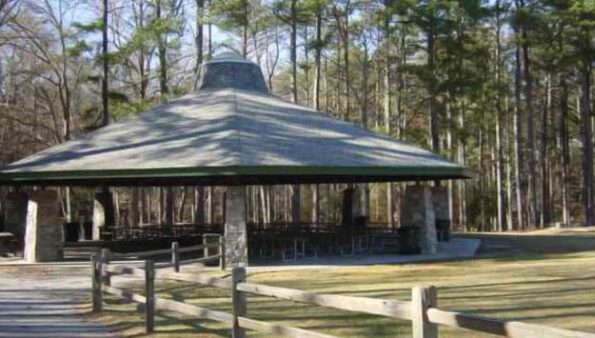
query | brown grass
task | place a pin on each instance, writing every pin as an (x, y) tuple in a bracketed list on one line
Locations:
[(551, 281)]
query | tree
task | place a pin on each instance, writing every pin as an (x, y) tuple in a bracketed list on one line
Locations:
[(235, 15), (105, 62)]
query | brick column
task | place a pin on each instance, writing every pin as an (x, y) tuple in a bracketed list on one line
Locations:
[(236, 235), (43, 237), (417, 210)]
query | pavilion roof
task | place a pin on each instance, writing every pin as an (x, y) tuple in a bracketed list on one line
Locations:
[(231, 131)]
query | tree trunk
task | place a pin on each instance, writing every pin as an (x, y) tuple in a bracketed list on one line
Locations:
[(199, 204), (182, 206), (199, 38), (144, 218), (388, 114), (315, 203), (210, 31), (531, 196), (518, 136), (545, 190), (105, 63), (433, 127), (144, 79), (170, 203), (390, 211), (585, 108), (387, 93), (133, 213), (160, 200), (509, 152), (346, 61), (307, 66), (462, 160), (565, 140), (210, 207), (293, 50), (245, 30), (317, 58), (499, 158), (295, 189), (162, 52)]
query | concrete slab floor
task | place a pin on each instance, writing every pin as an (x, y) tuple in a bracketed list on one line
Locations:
[(456, 248)]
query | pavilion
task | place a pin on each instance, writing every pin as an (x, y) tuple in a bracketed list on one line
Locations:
[(231, 132)]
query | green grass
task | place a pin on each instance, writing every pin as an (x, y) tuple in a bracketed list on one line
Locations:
[(551, 282)]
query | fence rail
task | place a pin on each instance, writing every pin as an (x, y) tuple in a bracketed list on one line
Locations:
[(174, 252), (422, 310)]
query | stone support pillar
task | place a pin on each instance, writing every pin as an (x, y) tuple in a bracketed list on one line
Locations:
[(103, 213), (418, 211), (43, 237), (15, 215), (236, 235)]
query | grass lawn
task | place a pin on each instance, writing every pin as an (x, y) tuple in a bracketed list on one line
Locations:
[(549, 278)]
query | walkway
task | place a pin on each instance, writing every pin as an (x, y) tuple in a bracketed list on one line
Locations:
[(48, 302)]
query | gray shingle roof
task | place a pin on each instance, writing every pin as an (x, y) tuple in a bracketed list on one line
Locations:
[(229, 132)]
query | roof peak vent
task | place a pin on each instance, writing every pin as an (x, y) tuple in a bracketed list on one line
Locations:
[(230, 70)]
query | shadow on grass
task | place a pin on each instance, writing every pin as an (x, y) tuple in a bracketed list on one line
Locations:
[(163, 320), (525, 282)]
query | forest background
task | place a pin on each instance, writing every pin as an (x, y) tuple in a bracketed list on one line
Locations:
[(503, 87)]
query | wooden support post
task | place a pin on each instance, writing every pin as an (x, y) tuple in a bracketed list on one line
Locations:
[(175, 256), (239, 301), (222, 253), (150, 296), (423, 298), (96, 284), (105, 275)]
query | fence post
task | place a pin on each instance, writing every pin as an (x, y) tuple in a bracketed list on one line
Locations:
[(106, 278), (221, 252), (96, 284), (205, 242), (239, 301), (422, 298), (175, 256), (150, 296)]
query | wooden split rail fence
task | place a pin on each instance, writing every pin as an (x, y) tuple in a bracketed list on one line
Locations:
[(422, 310), (209, 241)]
